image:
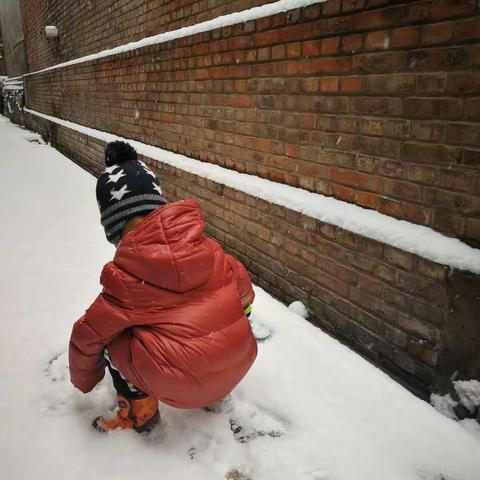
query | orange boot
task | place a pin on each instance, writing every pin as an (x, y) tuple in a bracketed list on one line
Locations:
[(145, 414), (141, 415)]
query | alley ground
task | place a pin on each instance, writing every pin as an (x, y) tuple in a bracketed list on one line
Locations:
[(340, 417)]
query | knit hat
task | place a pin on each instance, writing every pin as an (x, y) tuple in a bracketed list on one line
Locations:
[(125, 189)]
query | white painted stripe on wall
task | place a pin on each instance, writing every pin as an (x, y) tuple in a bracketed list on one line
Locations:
[(417, 239), (222, 21)]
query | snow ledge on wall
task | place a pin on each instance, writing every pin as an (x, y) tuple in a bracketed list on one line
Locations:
[(416, 239)]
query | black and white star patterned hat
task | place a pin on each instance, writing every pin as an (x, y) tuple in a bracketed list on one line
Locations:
[(125, 189)]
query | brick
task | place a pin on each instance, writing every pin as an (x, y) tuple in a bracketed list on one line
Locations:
[(472, 229), (437, 33), (330, 46), (416, 285), (431, 269), (312, 48), (446, 58), (294, 50), (428, 131), (312, 12), (372, 248), (327, 230), (466, 30), (332, 7), (369, 285), (449, 222), (349, 177), (427, 312), (328, 104), (405, 37), (278, 52), (440, 10), (377, 41), (352, 43), (350, 5), (264, 54), (396, 298), (434, 108), (323, 187), (472, 111), (333, 284), (366, 199), (457, 180), (307, 223), (471, 157), (385, 272), (453, 201), (399, 258), (425, 153), (415, 326), (403, 190), (395, 336), (365, 20), (417, 214), (361, 262), (268, 37), (331, 65), (376, 3), (346, 275), (464, 83), (295, 33), (367, 163), (423, 352), (349, 239), (351, 84), (345, 307), (476, 55), (328, 84), (361, 298), (343, 193), (367, 320), (375, 105), (390, 207), (463, 133), (328, 157)]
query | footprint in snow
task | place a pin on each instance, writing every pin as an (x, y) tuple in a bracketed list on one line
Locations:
[(57, 368), (244, 433), (248, 421), (236, 474)]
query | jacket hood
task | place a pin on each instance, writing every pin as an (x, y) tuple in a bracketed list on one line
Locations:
[(168, 248)]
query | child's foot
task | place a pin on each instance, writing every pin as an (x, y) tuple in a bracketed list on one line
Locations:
[(140, 415)]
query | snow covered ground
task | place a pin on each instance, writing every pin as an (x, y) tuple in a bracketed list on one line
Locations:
[(341, 418)]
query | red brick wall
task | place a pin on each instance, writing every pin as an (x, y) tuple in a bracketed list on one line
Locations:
[(378, 107), (90, 26), (415, 318)]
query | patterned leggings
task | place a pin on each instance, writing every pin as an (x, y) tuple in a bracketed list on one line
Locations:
[(121, 385)]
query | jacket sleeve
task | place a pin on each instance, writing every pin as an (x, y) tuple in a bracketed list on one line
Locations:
[(244, 284), (96, 329), (87, 366)]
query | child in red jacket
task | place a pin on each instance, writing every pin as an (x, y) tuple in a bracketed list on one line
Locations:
[(170, 323)]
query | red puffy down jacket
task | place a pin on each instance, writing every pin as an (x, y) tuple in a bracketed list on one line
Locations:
[(170, 314)]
